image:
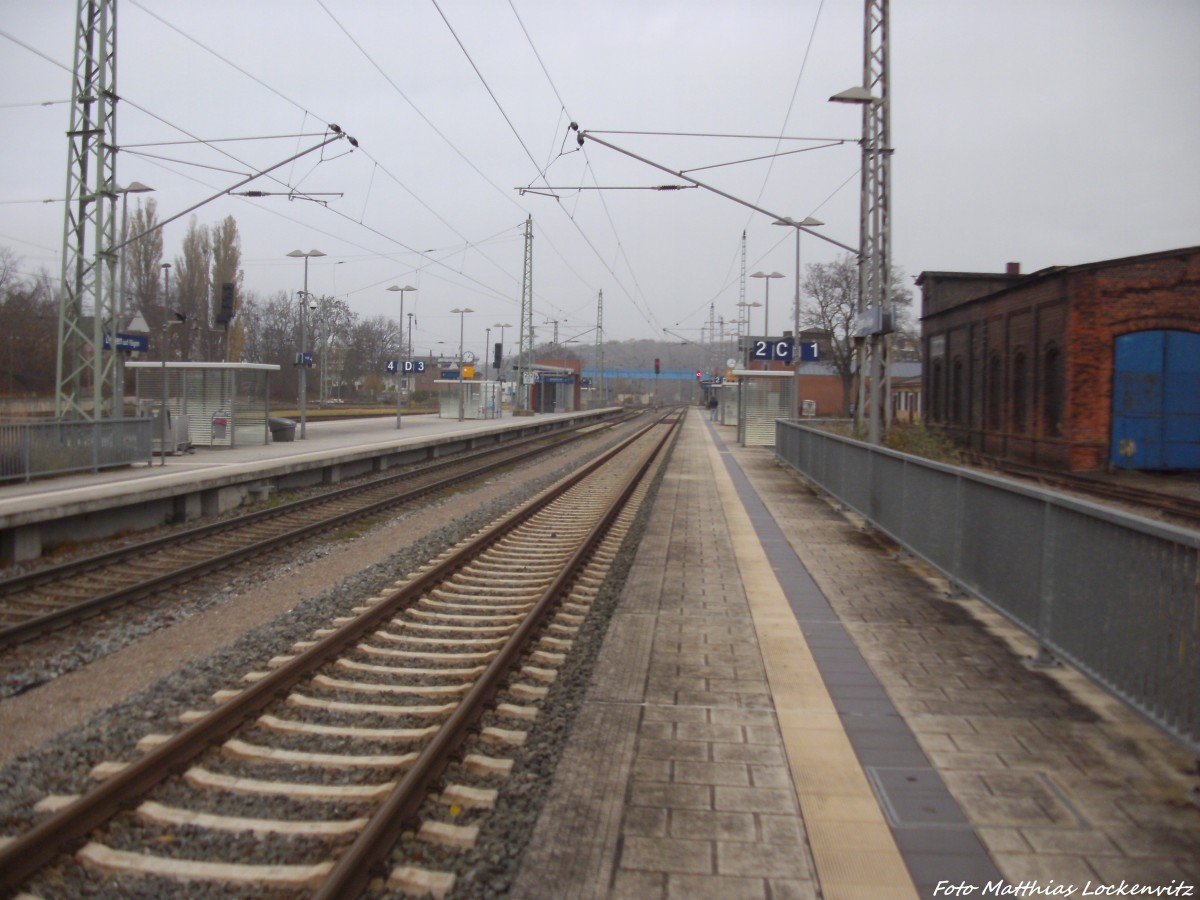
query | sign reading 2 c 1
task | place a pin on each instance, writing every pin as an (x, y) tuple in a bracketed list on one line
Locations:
[(781, 349), (771, 348)]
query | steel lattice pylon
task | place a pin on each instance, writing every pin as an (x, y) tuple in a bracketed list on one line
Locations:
[(89, 229), (525, 360), (598, 387), (875, 223)]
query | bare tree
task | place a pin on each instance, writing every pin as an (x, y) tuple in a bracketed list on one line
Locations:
[(833, 289), (279, 339), (143, 265), (190, 290), (332, 329), (29, 311), (372, 342)]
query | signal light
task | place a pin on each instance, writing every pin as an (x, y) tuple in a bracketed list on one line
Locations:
[(225, 312), (656, 365)]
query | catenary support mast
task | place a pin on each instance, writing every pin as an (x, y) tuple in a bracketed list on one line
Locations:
[(875, 235), (598, 387), (525, 360), (86, 312)]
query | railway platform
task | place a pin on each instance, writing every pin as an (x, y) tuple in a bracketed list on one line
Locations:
[(784, 707), (209, 481)]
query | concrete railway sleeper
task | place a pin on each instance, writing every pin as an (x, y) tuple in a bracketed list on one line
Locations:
[(402, 713), (47, 599)]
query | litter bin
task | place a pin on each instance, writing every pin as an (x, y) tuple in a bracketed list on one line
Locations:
[(220, 422), (281, 429)]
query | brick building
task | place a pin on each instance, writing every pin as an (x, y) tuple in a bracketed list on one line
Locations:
[(1075, 367)]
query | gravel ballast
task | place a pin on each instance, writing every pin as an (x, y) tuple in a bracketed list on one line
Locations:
[(246, 622)]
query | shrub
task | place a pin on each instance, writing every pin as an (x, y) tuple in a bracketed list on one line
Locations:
[(918, 440)]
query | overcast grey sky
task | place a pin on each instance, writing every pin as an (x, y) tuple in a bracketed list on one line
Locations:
[(1049, 132)]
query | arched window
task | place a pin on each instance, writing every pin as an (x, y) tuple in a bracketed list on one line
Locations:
[(935, 401), (1020, 388), (995, 393), (956, 391), (1052, 392)]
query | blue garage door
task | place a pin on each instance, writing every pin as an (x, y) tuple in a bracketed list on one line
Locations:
[(1156, 401)]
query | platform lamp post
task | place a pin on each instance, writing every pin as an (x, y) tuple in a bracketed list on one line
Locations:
[(134, 187), (745, 311), (309, 301), (162, 413), (767, 298), (400, 366), (808, 222), (500, 367), (305, 299), (462, 387)]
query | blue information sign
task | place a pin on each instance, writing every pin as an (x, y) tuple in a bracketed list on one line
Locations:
[(128, 343), (780, 350)]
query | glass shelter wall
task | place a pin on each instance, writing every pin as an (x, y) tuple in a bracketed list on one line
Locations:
[(225, 404), (478, 399), (763, 397)]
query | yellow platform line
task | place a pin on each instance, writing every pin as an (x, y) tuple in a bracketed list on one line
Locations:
[(853, 849)]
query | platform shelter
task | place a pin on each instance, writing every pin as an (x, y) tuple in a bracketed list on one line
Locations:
[(554, 388), (224, 404), (468, 399), (727, 402), (763, 397)]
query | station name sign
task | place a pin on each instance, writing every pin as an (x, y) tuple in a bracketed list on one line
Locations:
[(128, 343)]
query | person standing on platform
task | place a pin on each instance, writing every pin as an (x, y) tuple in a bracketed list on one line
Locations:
[(712, 409)]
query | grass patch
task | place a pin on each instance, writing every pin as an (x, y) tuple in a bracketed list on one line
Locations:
[(918, 440)]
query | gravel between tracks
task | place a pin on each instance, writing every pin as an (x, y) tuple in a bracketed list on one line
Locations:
[(239, 628)]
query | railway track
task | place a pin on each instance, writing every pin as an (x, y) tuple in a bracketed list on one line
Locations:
[(1180, 508), (399, 720), (50, 598)]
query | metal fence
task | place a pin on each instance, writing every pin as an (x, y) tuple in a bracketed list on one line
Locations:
[(1115, 594), (29, 449)]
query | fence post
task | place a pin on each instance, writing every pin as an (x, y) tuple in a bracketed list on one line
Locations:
[(1045, 622)]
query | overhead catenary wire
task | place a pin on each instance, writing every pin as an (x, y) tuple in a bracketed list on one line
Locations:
[(379, 166), (646, 314), (281, 95), (618, 259)]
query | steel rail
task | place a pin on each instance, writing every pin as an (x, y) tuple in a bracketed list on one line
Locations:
[(22, 631), (356, 865), (29, 852), (51, 574), (1172, 504)]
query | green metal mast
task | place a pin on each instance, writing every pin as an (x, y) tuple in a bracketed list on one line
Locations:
[(87, 304)]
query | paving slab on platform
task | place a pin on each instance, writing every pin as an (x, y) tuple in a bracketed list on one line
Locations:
[(785, 708)]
